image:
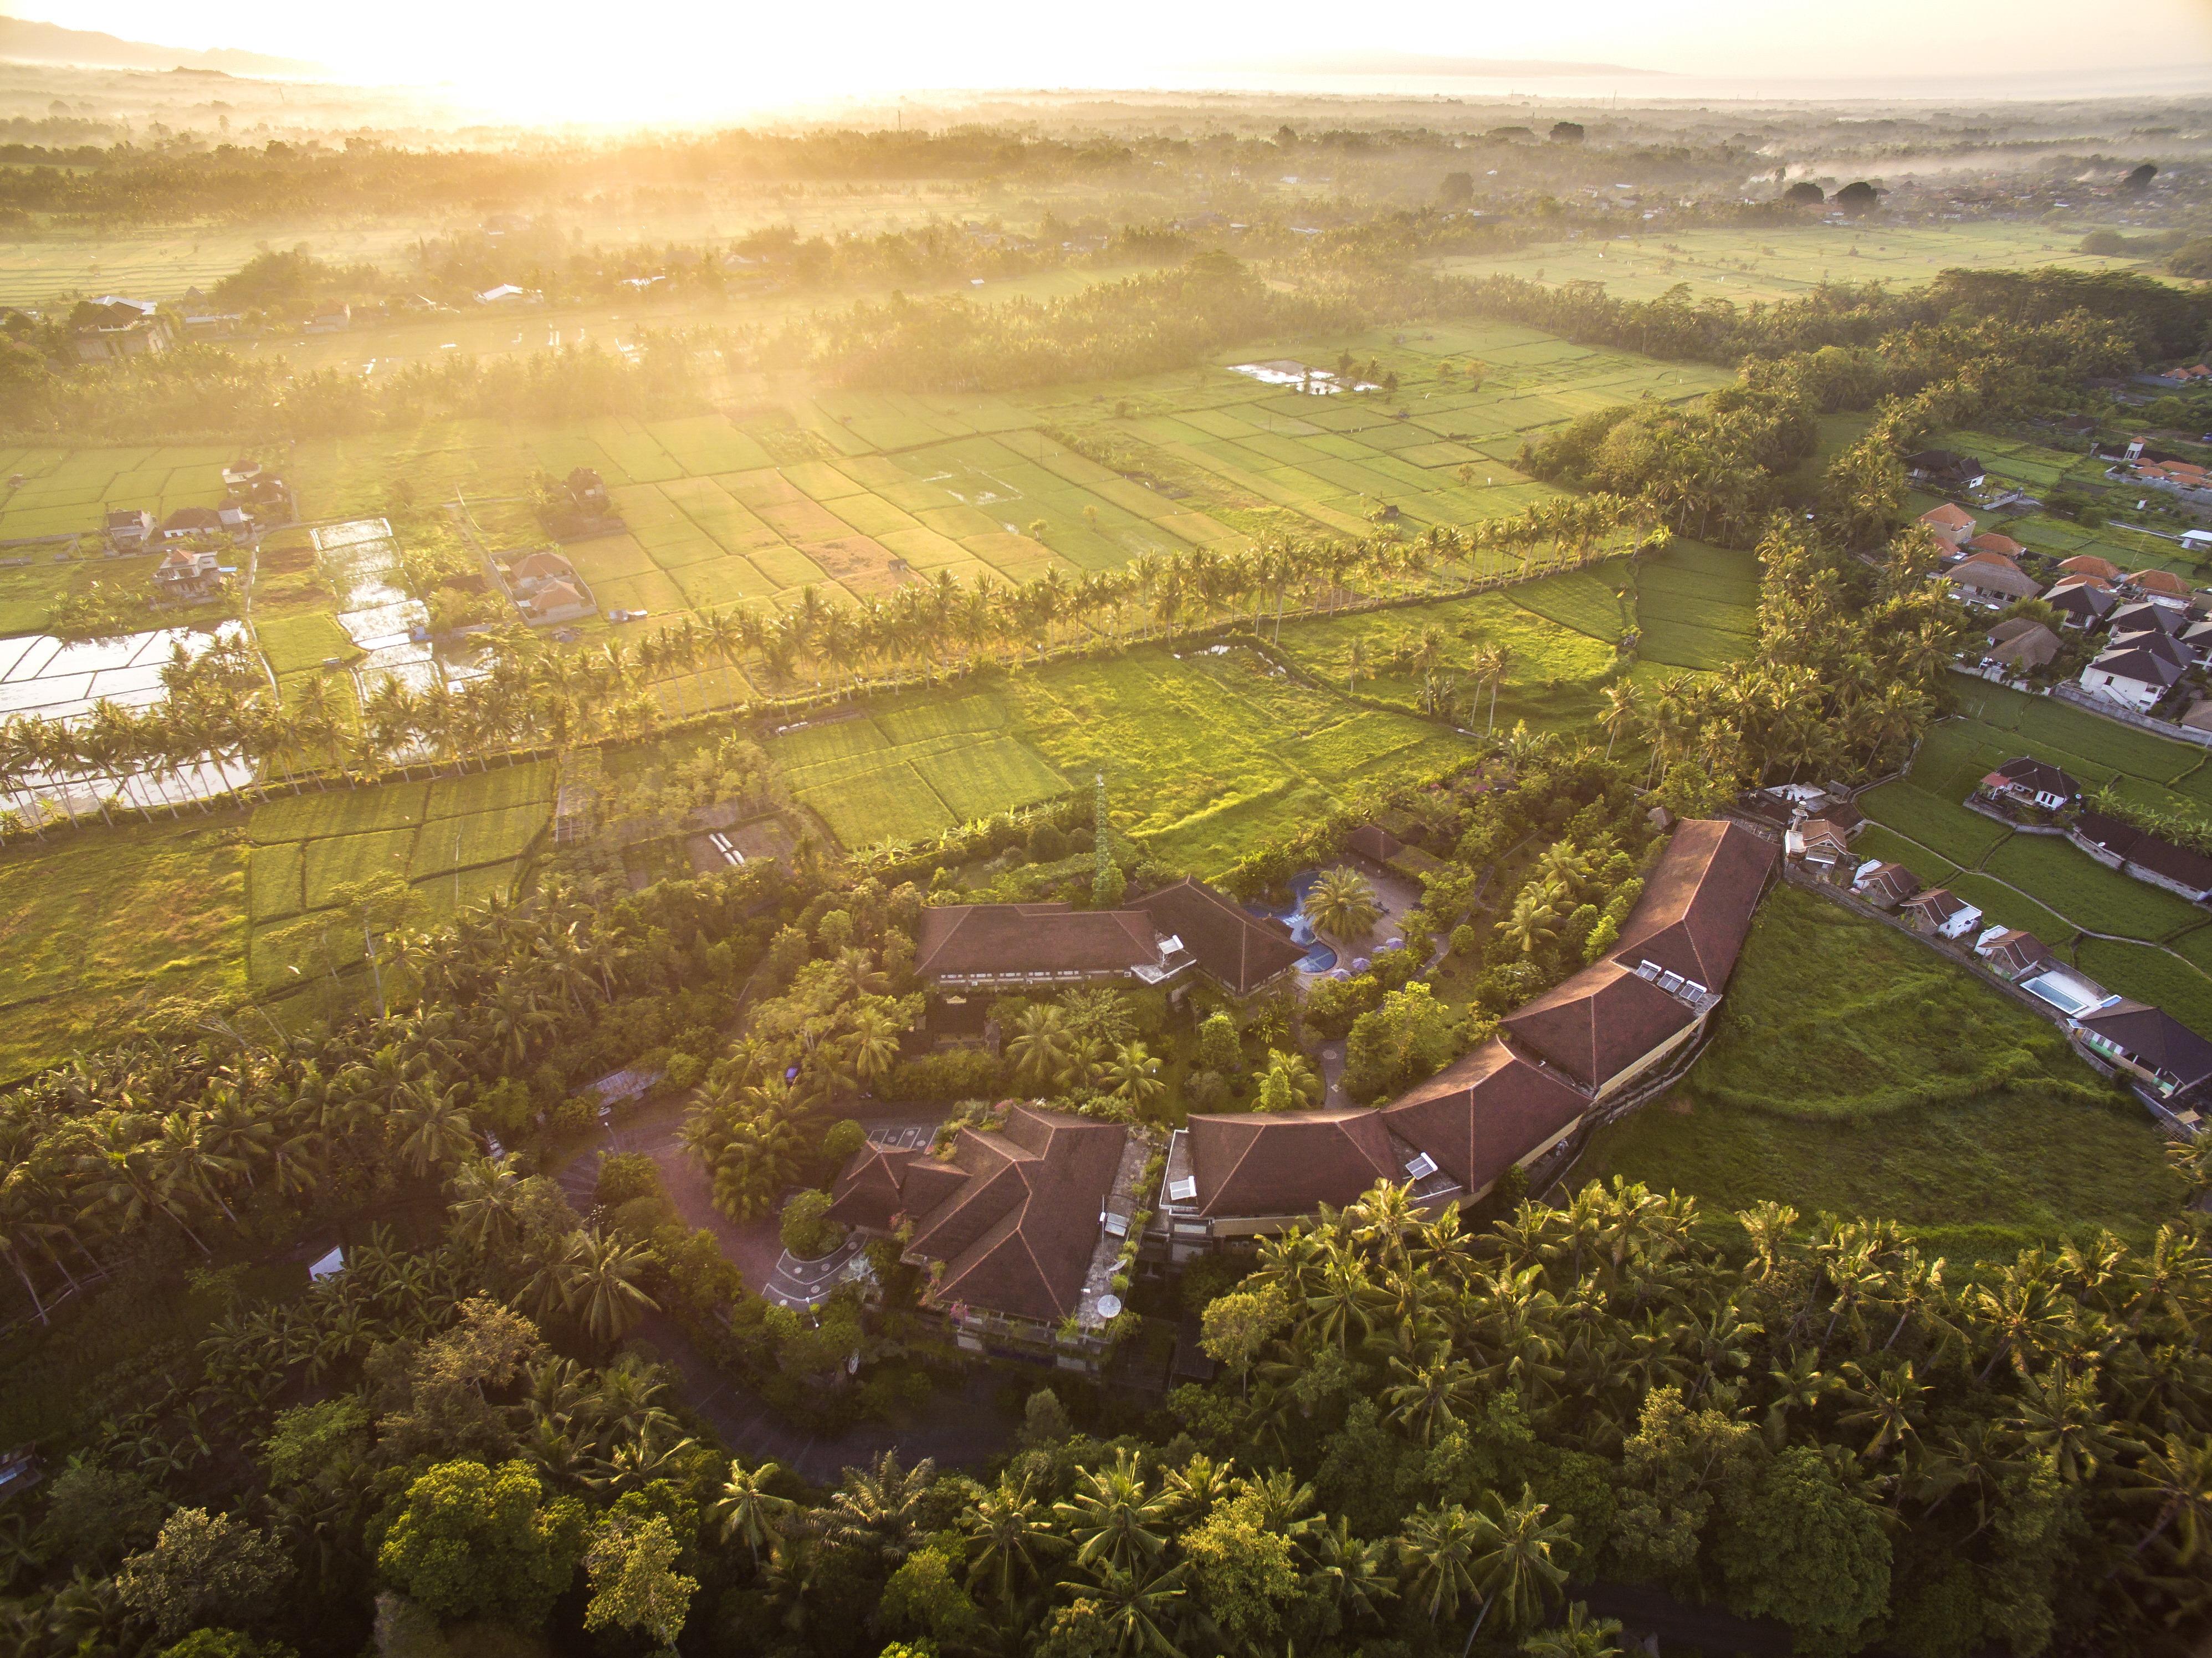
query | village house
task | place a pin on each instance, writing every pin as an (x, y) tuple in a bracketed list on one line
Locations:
[(2001, 546), (188, 521), (2089, 564), (2149, 1044), (1820, 847), (2030, 782), (186, 574), (2080, 601), (1945, 469), (1010, 1228), (2146, 857), (1885, 885), (2020, 645), (2136, 674), (547, 588), (2010, 953), (2161, 587), (130, 531), (1990, 581), (113, 329), (588, 492), (1950, 523), (1941, 912)]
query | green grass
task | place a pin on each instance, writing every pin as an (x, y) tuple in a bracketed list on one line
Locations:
[(1697, 606), (2150, 976), (96, 924), (1940, 822), (2100, 899), (1208, 757), (1854, 1071)]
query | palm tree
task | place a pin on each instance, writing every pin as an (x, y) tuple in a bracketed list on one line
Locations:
[(1288, 1083), (747, 1508), (1438, 1551), (598, 1278), (1515, 1565), (1622, 709), (1043, 1048), (1134, 1074), (1341, 904), (1009, 1530), (881, 1505), (1115, 1518), (1581, 1637)]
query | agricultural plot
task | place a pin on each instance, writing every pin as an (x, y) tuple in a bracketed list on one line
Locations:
[(1697, 606), (2024, 463), (99, 926), (1779, 262), (2129, 548), (454, 840), (912, 769), (1857, 1101), (1552, 670), (69, 491), (1207, 755)]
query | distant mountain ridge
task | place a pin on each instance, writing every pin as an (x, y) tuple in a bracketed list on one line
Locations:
[(23, 41)]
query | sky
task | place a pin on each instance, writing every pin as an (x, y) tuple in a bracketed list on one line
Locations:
[(651, 58)]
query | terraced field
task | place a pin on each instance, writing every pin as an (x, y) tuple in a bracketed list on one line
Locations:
[(455, 841), (65, 491), (2161, 944)]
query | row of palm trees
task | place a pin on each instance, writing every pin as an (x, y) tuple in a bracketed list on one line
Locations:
[(224, 730)]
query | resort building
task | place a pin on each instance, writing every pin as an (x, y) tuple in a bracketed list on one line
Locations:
[(2151, 1046)]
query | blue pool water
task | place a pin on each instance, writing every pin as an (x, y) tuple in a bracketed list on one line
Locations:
[(1319, 957)]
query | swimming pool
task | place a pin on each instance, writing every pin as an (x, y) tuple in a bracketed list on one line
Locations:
[(1319, 957)]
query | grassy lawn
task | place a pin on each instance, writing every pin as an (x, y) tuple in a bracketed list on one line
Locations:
[(1854, 1071), (96, 923)]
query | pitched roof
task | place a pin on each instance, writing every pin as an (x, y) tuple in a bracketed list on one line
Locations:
[(1989, 555), (2090, 564), (193, 518), (1237, 950), (2142, 666), (1374, 842), (1990, 541), (1017, 1234), (1480, 1115), (2015, 951), (2141, 614), (2160, 581), (1288, 1163), (1994, 575), (868, 1190), (2029, 773), (2082, 597), (1599, 1022), (2033, 646), (966, 940), (1938, 904), (2199, 717), (2151, 852), (1892, 881), (1948, 517), (1698, 901), (2154, 1039), (533, 565), (1818, 832)]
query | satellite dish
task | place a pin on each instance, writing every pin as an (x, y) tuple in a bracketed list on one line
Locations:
[(1109, 1306)]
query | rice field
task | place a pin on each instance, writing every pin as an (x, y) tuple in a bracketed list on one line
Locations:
[(67, 491), (455, 841), (1780, 261), (2044, 882), (97, 926), (1697, 606)]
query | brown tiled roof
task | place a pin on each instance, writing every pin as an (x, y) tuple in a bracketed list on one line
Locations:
[(1936, 905), (1995, 576), (1950, 516), (1820, 835), (1990, 541), (2033, 646), (1482, 1115), (1018, 1233), (1891, 881), (2160, 581), (1697, 903), (1289, 1164), (2014, 951), (2090, 564), (962, 940), (1599, 1022), (535, 565), (866, 1193), (1238, 951)]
